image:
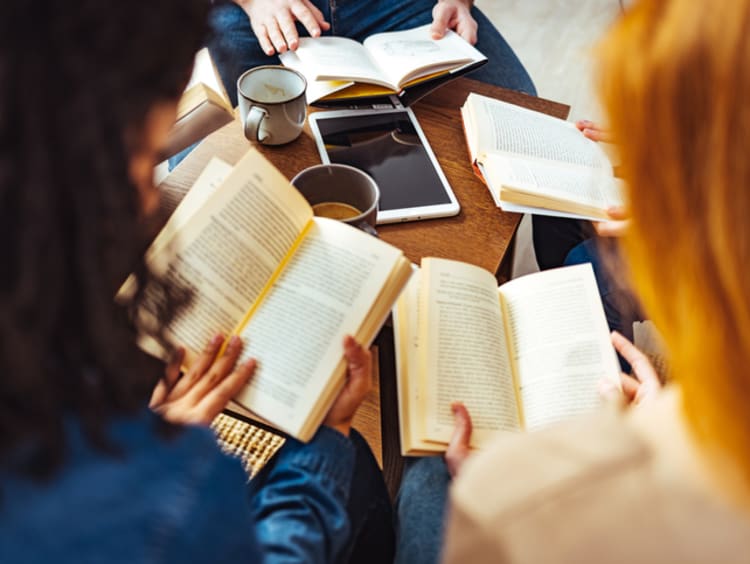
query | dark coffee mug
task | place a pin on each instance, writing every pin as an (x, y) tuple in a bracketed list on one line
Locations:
[(341, 192)]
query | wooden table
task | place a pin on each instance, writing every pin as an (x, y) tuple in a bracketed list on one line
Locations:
[(481, 234)]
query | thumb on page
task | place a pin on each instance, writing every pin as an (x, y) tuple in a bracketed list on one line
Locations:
[(458, 448)]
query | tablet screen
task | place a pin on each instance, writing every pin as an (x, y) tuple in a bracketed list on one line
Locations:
[(386, 146)]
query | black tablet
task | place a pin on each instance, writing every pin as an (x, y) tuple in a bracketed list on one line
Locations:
[(390, 146)]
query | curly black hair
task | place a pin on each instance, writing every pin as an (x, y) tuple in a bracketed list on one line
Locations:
[(75, 78)]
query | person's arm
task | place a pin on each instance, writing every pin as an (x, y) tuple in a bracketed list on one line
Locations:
[(455, 15), (273, 22), (300, 507)]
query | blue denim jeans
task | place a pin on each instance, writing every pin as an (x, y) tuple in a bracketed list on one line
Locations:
[(234, 48), (420, 510), (371, 538)]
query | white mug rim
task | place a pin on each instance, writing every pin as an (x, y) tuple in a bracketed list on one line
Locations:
[(274, 67)]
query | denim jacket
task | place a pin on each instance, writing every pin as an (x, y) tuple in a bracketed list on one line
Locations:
[(178, 499)]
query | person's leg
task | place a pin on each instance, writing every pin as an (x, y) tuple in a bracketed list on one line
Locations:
[(359, 20), (370, 511), (503, 67), (554, 237), (233, 45), (420, 510)]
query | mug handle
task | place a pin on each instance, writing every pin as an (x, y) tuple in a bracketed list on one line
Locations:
[(252, 124), (367, 228)]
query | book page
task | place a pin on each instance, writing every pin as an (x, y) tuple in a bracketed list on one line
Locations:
[(324, 293), (338, 59), (204, 186), (408, 372), (316, 89), (544, 181), (229, 249), (405, 55), (465, 355), (559, 341), (469, 132), (503, 127)]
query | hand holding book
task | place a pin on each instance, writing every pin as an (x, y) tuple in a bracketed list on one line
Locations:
[(273, 22), (358, 384), (521, 356), (534, 163), (643, 383), (617, 223), (383, 64), (292, 286), (616, 226), (454, 15), (199, 395), (639, 387), (459, 447)]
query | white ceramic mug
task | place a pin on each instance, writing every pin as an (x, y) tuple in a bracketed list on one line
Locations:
[(272, 104)]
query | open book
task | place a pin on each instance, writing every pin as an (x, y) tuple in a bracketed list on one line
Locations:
[(290, 284), (203, 108), (535, 163), (520, 357), (385, 63)]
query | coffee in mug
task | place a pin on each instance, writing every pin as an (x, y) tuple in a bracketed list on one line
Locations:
[(336, 210), (341, 192), (272, 104)]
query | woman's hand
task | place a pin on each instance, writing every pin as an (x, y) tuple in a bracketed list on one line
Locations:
[(273, 22), (358, 383), (643, 384), (200, 394), (617, 226), (458, 449), (593, 131), (455, 15)]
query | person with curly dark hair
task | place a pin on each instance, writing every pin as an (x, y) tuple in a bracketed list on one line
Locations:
[(88, 473)]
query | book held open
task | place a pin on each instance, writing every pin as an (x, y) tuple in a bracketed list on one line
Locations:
[(384, 64), (535, 163), (519, 357), (291, 285)]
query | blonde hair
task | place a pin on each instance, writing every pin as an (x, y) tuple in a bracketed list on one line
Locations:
[(675, 81)]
